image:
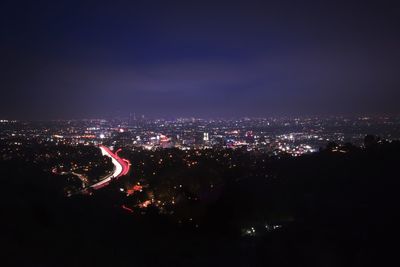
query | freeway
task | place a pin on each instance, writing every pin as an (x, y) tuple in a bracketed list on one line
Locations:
[(121, 167)]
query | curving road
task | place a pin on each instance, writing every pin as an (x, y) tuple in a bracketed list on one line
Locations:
[(121, 167)]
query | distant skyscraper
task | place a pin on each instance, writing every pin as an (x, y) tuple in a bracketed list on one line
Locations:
[(205, 137)]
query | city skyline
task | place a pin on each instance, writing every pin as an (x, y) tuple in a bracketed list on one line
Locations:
[(199, 133)]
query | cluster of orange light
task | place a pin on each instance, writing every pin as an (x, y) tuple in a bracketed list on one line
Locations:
[(145, 204), (134, 189), (88, 136)]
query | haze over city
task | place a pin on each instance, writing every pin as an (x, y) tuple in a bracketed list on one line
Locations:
[(74, 59)]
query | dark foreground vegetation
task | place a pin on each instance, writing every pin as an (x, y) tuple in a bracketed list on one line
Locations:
[(337, 207)]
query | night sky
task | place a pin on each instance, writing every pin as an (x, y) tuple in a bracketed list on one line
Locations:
[(80, 59)]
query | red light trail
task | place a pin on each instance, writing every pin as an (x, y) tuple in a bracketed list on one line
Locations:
[(122, 167), (126, 208)]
